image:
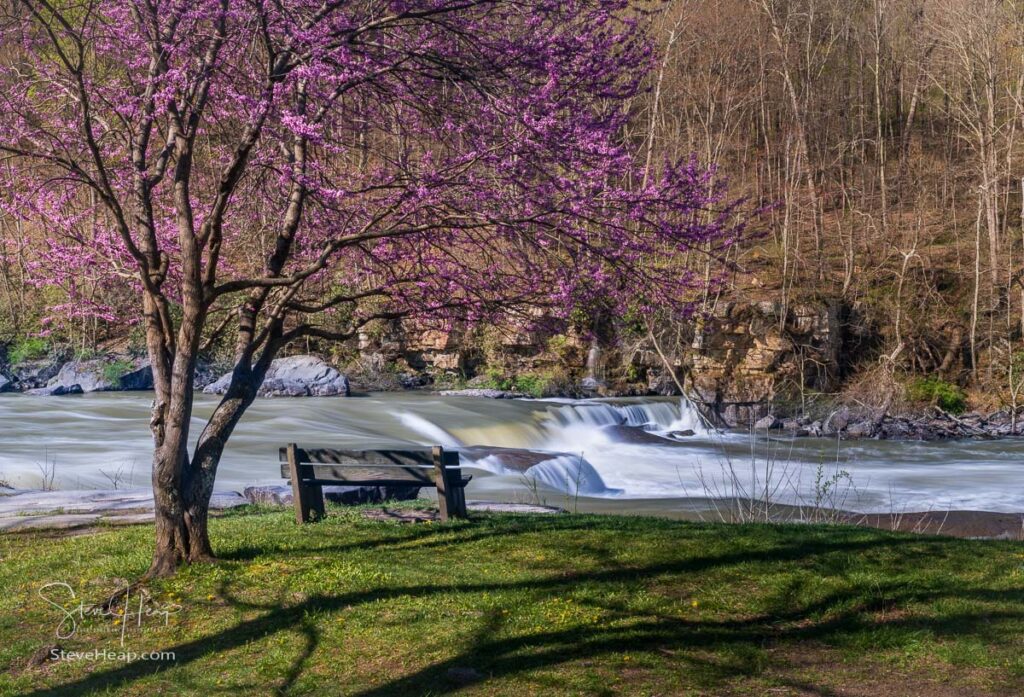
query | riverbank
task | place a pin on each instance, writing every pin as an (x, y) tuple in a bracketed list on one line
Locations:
[(311, 376), (73, 512), (513, 604)]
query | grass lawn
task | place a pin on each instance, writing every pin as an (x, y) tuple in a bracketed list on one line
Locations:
[(518, 605)]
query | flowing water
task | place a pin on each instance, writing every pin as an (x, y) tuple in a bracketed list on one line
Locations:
[(607, 455)]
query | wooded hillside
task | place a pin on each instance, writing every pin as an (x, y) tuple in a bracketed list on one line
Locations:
[(888, 131)]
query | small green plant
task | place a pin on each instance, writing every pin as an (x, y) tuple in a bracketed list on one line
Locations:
[(938, 392), (113, 372), (558, 343), (28, 349), (493, 379), (830, 494), (531, 383), (633, 373)]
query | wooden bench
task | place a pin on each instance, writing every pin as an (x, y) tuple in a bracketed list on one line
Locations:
[(310, 469)]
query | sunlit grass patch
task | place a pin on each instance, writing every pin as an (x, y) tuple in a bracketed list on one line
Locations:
[(566, 604)]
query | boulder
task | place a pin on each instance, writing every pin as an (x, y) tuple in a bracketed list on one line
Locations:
[(295, 376), (860, 429), (767, 423), (94, 376), (37, 373), (5, 383), (55, 390), (412, 381), (204, 376), (838, 421), (137, 380), (88, 375)]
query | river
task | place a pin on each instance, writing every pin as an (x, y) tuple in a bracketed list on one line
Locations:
[(617, 455)]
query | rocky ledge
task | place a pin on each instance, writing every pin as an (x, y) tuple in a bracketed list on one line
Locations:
[(82, 510), (68, 510), (484, 393), (294, 376), (55, 376), (852, 424)]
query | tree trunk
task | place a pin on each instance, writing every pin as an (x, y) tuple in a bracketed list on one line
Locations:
[(202, 473), (180, 534), (182, 488), (172, 540)]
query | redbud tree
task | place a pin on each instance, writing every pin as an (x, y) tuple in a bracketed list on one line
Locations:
[(300, 169)]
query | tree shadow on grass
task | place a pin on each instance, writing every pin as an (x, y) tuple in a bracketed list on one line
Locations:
[(833, 618), (419, 536)]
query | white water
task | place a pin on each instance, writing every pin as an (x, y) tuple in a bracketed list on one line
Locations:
[(576, 428), (605, 451)]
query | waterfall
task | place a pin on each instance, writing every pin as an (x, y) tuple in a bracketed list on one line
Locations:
[(571, 474), (572, 426), (657, 417), (595, 368), (571, 431), (435, 434)]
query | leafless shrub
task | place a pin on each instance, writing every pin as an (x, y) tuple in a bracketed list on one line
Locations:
[(47, 473), (119, 476), (767, 488)]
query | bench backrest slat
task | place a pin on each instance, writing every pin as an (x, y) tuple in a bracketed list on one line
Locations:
[(330, 456), (350, 474)]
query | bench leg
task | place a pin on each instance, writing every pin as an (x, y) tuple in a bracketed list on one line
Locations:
[(309, 502), (308, 498), (445, 501), (315, 496), (460, 502)]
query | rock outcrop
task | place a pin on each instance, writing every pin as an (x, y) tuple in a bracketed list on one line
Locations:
[(100, 375), (747, 360), (55, 391), (748, 357), (53, 377), (34, 374), (295, 376), (482, 392)]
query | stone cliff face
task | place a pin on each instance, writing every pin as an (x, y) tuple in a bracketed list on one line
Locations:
[(751, 358), (742, 362)]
